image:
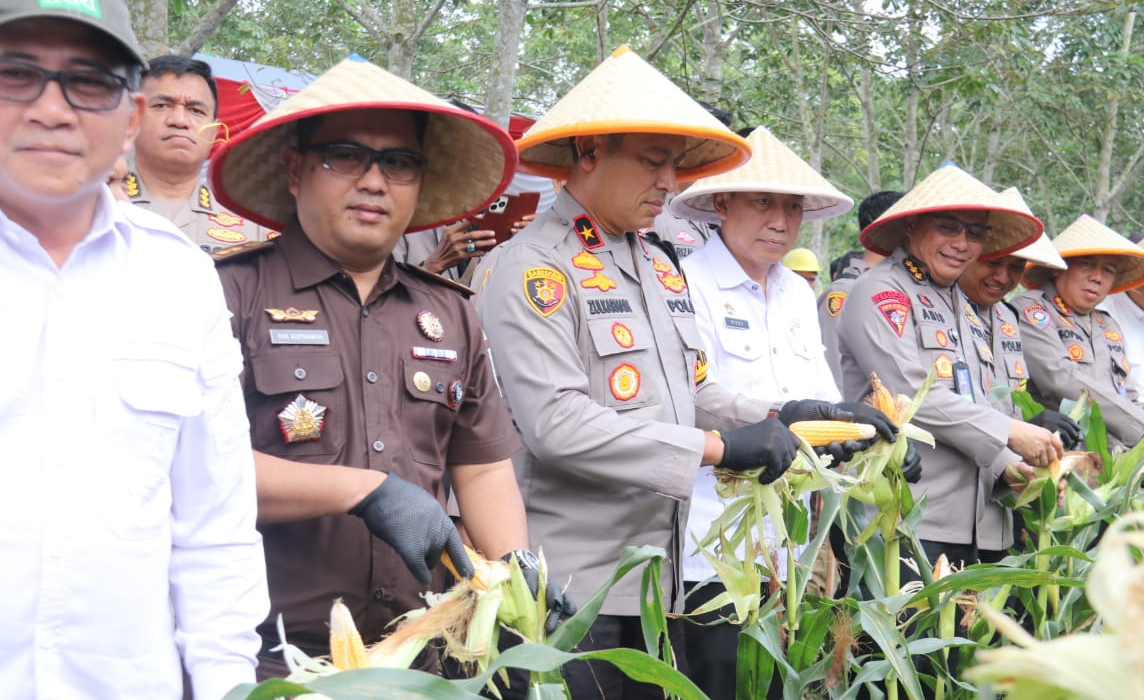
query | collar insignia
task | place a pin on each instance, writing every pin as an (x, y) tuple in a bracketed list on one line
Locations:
[(1061, 305), (204, 197), (586, 230), (916, 268)]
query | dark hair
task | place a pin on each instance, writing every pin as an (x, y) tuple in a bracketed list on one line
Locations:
[(1136, 237), (875, 205), (722, 115), (172, 64), (842, 262), (308, 125)]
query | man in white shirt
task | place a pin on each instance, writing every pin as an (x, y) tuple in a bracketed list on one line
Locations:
[(127, 515), (760, 329)]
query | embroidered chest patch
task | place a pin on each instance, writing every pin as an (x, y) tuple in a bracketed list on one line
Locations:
[(895, 308)]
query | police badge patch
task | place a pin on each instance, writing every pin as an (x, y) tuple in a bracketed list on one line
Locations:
[(545, 289)]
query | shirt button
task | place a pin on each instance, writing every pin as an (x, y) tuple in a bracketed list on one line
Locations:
[(299, 373), (746, 348), (440, 387), (378, 595), (371, 377), (378, 445), (786, 390)]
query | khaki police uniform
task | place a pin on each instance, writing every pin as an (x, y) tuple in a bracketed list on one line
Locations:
[(901, 325), (685, 235), (1070, 352), (207, 223), (400, 383), (830, 305), (597, 351)]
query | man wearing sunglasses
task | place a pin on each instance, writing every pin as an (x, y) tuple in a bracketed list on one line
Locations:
[(127, 518), (368, 384), (907, 318)]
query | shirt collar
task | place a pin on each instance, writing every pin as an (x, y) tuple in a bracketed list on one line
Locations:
[(731, 274), (309, 266)]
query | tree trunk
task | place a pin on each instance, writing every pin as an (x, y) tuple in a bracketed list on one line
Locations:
[(149, 20), (402, 45), (506, 49), (1102, 198), (710, 15), (207, 26)]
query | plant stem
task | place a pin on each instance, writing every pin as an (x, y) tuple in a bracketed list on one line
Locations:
[(791, 596)]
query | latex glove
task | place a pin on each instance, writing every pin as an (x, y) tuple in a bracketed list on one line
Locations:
[(912, 466), (768, 444), (411, 521), (812, 409), (558, 605), (1061, 424)]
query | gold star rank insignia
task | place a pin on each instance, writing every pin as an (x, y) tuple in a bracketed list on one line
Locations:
[(430, 326), (302, 420)]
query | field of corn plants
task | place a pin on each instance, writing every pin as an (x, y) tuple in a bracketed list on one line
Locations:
[(1057, 619)]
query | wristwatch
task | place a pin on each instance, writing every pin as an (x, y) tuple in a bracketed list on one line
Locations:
[(526, 559)]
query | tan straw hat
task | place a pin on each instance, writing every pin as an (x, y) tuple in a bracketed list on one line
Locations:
[(1087, 236), (471, 159), (1040, 251), (950, 188), (773, 167), (624, 94)]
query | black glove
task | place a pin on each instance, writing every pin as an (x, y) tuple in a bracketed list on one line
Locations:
[(767, 444), (1061, 424), (559, 606), (912, 465), (411, 521)]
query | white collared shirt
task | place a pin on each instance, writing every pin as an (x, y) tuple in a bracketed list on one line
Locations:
[(768, 346), (127, 515), (1131, 320)]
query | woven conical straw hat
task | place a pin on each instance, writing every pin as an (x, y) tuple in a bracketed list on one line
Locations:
[(1087, 236), (773, 167), (625, 94), (471, 159), (1040, 251), (950, 188)]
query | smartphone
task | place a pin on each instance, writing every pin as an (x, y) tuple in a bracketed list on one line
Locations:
[(505, 211)]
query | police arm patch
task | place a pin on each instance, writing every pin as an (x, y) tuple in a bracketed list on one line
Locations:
[(895, 308), (545, 289)]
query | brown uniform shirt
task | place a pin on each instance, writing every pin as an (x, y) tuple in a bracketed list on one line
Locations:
[(406, 387)]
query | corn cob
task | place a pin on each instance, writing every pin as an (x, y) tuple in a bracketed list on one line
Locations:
[(823, 432), (346, 648), (881, 399)]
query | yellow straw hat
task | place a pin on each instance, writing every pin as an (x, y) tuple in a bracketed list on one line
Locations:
[(470, 159), (1040, 251), (773, 167), (1087, 236), (950, 188), (625, 94)]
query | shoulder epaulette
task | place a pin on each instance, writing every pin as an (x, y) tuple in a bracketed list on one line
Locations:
[(433, 277), (242, 250)]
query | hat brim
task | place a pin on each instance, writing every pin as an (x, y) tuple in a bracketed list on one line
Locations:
[(949, 189), (1084, 237), (705, 151), (132, 50), (697, 203), (470, 159)]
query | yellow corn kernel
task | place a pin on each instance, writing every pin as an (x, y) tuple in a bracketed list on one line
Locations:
[(823, 432), (346, 648), (881, 399)]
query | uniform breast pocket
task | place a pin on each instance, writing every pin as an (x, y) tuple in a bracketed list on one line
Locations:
[(625, 351), (736, 337), (159, 391), (434, 392), (308, 404)]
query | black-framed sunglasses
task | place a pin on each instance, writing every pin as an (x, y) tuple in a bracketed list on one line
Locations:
[(950, 226), (88, 89), (399, 165)]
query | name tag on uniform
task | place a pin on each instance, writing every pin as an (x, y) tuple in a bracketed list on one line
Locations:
[(292, 336), (741, 324)]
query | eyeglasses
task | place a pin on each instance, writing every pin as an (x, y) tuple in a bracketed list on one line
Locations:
[(950, 226), (399, 165), (89, 90)]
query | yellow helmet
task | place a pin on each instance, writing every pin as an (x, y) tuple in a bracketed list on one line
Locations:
[(801, 260)]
